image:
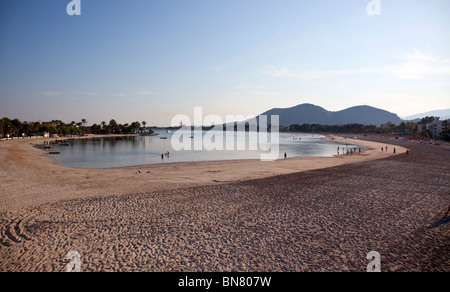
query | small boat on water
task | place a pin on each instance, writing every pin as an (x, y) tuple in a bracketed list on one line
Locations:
[(163, 138), (54, 153)]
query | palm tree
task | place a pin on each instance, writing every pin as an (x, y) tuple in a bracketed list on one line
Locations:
[(84, 122), (144, 123), (103, 124), (114, 126)]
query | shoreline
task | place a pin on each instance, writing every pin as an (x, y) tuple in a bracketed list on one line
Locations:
[(33, 178), (332, 138)]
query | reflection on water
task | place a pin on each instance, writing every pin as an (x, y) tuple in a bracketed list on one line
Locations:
[(132, 151)]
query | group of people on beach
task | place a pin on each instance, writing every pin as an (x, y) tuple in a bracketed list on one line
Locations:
[(395, 150), (167, 154), (347, 150)]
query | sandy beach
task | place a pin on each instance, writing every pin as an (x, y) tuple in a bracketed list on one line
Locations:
[(32, 178), (302, 214)]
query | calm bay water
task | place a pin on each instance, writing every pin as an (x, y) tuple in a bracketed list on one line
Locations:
[(133, 151)]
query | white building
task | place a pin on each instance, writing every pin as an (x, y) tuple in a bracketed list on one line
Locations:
[(437, 127)]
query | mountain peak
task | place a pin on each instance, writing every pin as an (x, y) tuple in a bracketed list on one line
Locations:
[(312, 114)]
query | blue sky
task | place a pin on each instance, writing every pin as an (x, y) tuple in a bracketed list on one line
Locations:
[(154, 59)]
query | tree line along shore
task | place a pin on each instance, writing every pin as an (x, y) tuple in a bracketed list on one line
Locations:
[(16, 128), (416, 129)]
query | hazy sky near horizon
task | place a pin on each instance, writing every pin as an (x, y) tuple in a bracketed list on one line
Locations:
[(153, 59)]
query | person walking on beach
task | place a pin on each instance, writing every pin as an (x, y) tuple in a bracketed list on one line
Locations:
[(382, 149), (395, 151), (285, 156)]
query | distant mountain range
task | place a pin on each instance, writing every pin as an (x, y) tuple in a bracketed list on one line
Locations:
[(443, 114), (312, 114)]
